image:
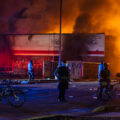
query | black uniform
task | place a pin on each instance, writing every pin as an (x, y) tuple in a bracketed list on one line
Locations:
[(104, 81), (63, 79)]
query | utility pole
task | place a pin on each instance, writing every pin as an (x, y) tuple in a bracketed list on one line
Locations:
[(60, 35)]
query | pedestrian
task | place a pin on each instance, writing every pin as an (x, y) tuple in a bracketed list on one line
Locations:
[(30, 70), (104, 80), (62, 73)]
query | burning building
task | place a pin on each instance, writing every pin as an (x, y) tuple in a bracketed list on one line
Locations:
[(43, 49), (32, 17)]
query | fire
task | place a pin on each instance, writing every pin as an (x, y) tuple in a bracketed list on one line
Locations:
[(66, 29), (88, 16)]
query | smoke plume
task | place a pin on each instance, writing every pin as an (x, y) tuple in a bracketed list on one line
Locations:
[(78, 16), (98, 16), (5, 51), (75, 46), (37, 16)]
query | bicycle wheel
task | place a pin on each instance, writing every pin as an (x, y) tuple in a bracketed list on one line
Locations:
[(16, 98)]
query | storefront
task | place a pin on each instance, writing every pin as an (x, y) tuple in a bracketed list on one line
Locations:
[(43, 50)]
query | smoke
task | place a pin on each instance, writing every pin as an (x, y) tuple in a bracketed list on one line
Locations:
[(37, 16), (74, 47), (5, 45), (93, 16), (78, 16), (42, 16), (31, 2), (5, 51), (98, 16), (89, 20), (14, 18)]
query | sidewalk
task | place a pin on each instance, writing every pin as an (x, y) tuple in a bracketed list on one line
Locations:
[(26, 81)]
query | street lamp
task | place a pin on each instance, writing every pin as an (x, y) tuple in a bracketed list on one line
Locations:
[(60, 35)]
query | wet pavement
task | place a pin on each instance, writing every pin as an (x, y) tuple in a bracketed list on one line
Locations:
[(41, 100)]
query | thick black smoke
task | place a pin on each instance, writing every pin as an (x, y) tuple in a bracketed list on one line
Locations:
[(13, 19), (74, 47), (91, 19), (36, 16)]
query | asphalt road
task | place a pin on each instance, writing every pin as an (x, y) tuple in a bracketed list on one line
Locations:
[(41, 99)]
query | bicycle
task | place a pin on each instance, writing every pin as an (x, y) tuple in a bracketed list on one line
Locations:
[(108, 93), (16, 97)]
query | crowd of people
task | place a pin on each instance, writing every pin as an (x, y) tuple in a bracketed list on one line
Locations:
[(62, 73)]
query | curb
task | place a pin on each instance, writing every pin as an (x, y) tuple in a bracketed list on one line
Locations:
[(51, 117), (107, 108)]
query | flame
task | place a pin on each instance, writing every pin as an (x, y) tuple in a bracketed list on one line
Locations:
[(66, 29), (105, 18), (89, 16)]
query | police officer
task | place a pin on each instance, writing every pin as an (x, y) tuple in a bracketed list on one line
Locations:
[(104, 81), (62, 73), (30, 70)]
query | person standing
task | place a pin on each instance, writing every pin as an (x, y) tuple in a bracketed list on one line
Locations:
[(62, 73), (30, 70), (100, 68), (104, 81)]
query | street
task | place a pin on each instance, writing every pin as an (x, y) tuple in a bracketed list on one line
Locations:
[(41, 99)]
